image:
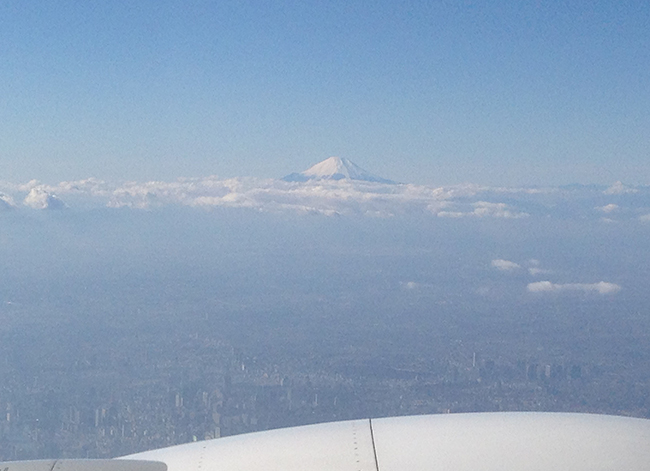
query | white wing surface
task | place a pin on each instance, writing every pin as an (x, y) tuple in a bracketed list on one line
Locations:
[(513, 442), (340, 446), (508, 441)]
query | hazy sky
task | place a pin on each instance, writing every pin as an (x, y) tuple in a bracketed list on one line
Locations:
[(517, 92)]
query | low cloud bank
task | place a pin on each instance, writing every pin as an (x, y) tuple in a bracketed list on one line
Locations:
[(314, 197), (326, 197)]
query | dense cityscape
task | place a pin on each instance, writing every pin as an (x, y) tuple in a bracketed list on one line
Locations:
[(118, 388)]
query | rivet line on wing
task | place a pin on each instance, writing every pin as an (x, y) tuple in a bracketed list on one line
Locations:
[(356, 446)]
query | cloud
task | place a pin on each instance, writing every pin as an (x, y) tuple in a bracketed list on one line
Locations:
[(505, 265), (644, 218), (409, 285), (500, 210), (452, 214), (91, 186), (508, 266), (486, 209), (344, 197), (6, 202), (29, 185), (601, 287), (534, 268), (619, 188), (313, 197), (608, 208), (39, 198)]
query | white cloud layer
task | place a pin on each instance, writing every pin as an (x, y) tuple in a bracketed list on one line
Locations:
[(343, 197), (318, 197), (601, 287)]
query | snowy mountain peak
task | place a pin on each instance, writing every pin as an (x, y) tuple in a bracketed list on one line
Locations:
[(335, 168), (328, 168)]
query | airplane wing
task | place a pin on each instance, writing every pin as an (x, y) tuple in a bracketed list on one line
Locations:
[(508, 441), (83, 465)]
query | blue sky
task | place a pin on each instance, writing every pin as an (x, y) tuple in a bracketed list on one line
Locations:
[(428, 92)]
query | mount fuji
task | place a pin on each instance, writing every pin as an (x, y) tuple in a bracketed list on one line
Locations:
[(335, 168)]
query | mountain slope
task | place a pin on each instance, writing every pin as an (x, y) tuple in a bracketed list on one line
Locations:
[(335, 168)]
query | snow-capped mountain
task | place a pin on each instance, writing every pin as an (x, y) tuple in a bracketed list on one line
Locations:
[(335, 168)]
